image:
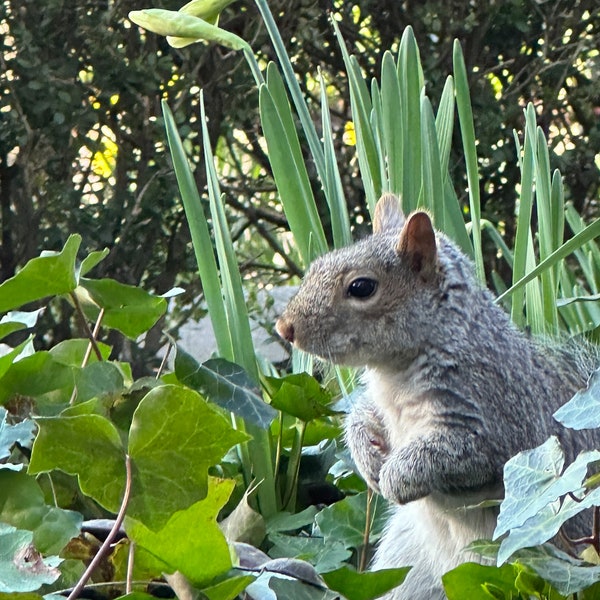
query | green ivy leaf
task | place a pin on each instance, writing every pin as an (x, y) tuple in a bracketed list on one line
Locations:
[(300, 395), (88, 446), (476, 582), (201, 552), (91, 260), (51, 274), (129, 309), (345, 520), (35, 376), (526, 476), (174, 438), (364, 586), (279, 587), (22, 568), (22, 505), (533, 482), (72, 352), (583, 410), (99, 380), (230, 589), (22, 432), (567, 574), (227, 385), (18, 320), (324, 555)]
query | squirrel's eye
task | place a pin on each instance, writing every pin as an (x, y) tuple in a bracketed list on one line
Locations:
[(363, 287)]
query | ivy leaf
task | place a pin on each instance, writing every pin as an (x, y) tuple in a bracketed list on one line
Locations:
[(99, 380), (71, 352), (475, 581), (364, 586), (175, 437), (345, 520), (229, 589), (325, 556), (129, 309), (22, 568), (22, 505), (526, 477), (201, 552), (300, 395), (91, 260), (22, 432), (583, 410), (567, 574), (531, 510), (18, 320), (227, 385), (88, 446), (51, 274), (35, 376)]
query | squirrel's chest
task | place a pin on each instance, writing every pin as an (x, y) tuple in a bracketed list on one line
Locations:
[(403, 405)]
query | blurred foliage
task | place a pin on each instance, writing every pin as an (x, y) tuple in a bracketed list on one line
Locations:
[(82, 140)]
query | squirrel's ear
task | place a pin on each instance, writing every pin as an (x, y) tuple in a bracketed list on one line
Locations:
[(388, 215), (417, 243)]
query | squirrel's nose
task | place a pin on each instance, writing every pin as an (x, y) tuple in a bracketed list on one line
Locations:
[(285, 329)]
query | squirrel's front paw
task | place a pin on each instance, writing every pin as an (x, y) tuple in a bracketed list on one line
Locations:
[(368, 447), (401, 482)]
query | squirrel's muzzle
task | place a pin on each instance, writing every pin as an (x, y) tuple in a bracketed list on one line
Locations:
[(285, 329)]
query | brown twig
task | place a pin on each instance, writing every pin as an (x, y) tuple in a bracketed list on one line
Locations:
[(91, 345), (163, 362), (111, 536), (88, 332)]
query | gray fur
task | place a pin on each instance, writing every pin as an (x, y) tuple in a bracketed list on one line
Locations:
[(453, 388)]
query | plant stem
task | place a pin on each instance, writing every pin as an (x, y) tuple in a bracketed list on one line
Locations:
[(367, 533), (88, 332), (130, 561), (109, 539)]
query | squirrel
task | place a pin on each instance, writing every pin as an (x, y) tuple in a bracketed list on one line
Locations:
[(452, 388)]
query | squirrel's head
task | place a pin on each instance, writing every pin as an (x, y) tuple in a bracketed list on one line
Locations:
[(358, 304)]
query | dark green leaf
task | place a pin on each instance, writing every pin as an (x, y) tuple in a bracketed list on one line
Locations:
[(364, 586), (344, 521), (174, 438), (325, 556), (99, 380), (227, 385)]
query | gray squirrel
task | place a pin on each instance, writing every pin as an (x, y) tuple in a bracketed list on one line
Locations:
[(453, 388)]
